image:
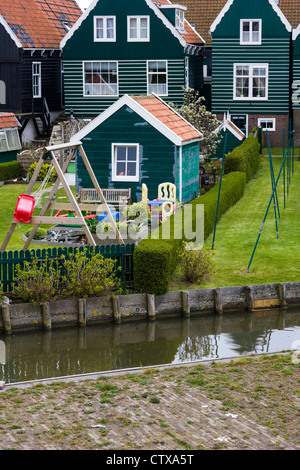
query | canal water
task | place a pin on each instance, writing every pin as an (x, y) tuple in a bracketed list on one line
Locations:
[(70, 351)]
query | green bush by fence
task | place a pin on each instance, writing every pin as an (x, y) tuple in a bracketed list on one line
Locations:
[(155, 260), (10, 170), (244, 158)]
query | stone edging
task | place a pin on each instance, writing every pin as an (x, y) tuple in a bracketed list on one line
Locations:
[(119, 308)]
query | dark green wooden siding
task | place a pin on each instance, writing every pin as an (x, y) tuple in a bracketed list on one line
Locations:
[(296, 73), (158, 156), (132, 81), (131, 56), (190, 172), (274, 50), (8, 156), (232, 143)]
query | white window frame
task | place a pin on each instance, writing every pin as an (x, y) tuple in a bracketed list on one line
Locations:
[(165, 73), (3, 136), (105, 38), (115, 177), (138, 38), (96, 62), (250, 42), (179, 19), (267, 120), (38, 76), (251, 67)]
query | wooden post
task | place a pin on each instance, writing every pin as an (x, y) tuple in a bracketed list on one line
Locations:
[(249, 298), (46, 316), (82, 312), (282, 295), (116, 309), (151, 306), (218, 301), (6, 318), (186, 303)]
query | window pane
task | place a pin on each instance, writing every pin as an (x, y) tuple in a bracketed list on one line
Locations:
[(101, 78), (246, 26), (121, 153), (131, 169), (3, 144), (132, 154), (255, 26), (121, 169), (100, 28)]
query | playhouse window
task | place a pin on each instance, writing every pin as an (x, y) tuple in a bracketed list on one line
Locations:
[(138, 28), (100, 79), (251, 81), (104, 28), (157, 77), (250, 32), (9, 140), (125, 159), (37, 79)]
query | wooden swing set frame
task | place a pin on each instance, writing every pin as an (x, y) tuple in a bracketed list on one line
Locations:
[(72, 205)]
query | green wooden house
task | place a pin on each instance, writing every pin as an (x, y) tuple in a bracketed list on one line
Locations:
[(141, 140), (296, 84), (251, 66), (135, 47), (10, 143)]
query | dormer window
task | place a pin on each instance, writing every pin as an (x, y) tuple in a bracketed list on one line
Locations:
[(250, 32), (179, 21)]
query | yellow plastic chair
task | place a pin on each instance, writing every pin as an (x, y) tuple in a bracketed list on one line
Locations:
[(167, 192)]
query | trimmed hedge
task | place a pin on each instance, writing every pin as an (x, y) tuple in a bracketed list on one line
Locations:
[(10, 170), (245, 158), (155, 260)]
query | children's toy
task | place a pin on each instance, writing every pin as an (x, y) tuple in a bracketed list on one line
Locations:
[(166, 201), (25, 205)]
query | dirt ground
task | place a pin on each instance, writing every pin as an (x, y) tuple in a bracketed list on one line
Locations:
[(252, 403)]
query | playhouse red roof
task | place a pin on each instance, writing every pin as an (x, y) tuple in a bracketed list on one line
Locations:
[(167, 116), (40, 23), (8, 120)]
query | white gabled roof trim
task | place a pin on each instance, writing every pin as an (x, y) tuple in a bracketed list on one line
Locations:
[(10, 32), (126, 100), (296, 32), (150, 4), (230, 2)]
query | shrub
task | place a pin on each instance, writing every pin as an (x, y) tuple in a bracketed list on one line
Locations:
[(154, 262), (42, 173), (37, 282), (196, 264), (40, 233), (10, 170), (85, 276), (244, 158)]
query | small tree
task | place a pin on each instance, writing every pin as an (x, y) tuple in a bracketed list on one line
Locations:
[(195, 112)]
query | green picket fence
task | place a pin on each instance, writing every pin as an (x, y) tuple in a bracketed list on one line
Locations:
[(123, 254)]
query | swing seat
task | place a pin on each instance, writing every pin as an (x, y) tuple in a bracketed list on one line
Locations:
[(24, 209)]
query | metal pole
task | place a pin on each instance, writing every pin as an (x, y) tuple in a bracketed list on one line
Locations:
[(263, 223), (273, 183), (220, 184)]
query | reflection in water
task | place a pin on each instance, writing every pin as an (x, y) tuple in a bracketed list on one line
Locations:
[(64, 352)]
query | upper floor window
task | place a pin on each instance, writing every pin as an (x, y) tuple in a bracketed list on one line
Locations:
[(179, 20), (100, 78), (251, 81), (250, 32), (138, 28), (37, 79), (157, 77), (104, 28)]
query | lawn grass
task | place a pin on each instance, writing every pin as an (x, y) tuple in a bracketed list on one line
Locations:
[(8, 198), (275, 260)]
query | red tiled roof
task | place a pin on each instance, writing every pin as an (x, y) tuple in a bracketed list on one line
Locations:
[(190, 35), (8, 120), (202, 13), (168, 117), (40, 23)]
